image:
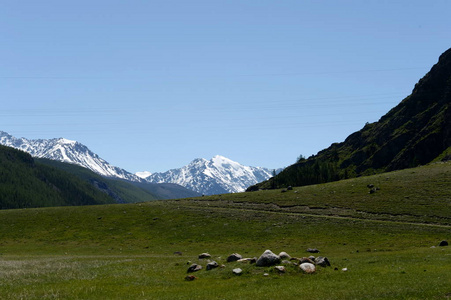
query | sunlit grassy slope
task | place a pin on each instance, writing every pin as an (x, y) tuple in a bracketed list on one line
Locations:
[(127, 251)]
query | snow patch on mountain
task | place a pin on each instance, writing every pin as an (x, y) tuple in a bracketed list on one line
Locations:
[(215, 176), (68, 151), (143, 175)]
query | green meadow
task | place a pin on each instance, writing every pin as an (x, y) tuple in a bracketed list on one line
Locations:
[(387, 240)]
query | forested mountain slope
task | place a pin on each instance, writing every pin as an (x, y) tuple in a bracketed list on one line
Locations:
[(413, 133)]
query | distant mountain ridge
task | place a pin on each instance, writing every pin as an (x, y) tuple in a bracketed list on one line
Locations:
[(68, 151), (415, 132), (215, 176)]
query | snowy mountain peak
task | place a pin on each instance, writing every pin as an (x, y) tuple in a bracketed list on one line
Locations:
[(215, 176), (64, 141), (69, 151)]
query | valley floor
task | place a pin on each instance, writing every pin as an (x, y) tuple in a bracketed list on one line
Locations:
[(387, 241)]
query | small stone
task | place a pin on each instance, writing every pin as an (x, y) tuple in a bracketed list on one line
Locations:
[(265, 274), (190, 277), (204, 255), (443, 243), (237, 271), (308, 268), (234, 257), (344, 269), (322, 261), (248, 260), (307, 260), (312, 250), (212, 265), (284, 255), (194, 268), (281, 269)]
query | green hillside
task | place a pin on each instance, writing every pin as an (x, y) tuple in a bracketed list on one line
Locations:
[(27, 183), (413, 133), (124, 191), (387, 240)]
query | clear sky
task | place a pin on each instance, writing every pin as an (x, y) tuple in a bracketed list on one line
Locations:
[(153, 84)]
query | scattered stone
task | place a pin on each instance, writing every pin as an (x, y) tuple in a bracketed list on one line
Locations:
[(283, 190), (312, 257), (344, 269), (190, 277), (284, 255), (204, 255), (265, 274), (290, 188), (178, 253), (312, 250), (252, 260), (212, 265), (267, 259), (308, 268), (370, 186), (335, 269), (281, 269), (306, 260), (234, 257), (443, 243), (286, 262), (237, 271), (322, 261), (194, 268)]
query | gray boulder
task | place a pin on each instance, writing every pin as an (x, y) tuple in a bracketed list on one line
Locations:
[(284, 255), (194, 268), (212, 265), (322, 261), (204, 255), (267, 259), (234, 257)]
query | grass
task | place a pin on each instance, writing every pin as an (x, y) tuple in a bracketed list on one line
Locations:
[(127, 251)]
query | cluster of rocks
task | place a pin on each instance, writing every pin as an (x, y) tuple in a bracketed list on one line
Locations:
[(372, 188), (279, 262)]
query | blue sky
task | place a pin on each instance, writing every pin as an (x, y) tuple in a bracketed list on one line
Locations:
[(151, 85)]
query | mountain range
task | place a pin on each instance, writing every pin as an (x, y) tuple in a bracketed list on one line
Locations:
[(65, 150), (215, 176), (415, 132)]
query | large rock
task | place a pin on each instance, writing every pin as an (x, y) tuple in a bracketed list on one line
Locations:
[(308, 268), (234, 257), (267, 259)]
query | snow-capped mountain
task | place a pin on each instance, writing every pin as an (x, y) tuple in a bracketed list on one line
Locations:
[(66, 151), (215, 176)]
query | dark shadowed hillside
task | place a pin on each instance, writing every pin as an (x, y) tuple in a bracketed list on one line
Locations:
[(415, 132), (26, 183)]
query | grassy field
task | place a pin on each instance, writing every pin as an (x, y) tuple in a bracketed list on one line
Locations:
[(384, 240)]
